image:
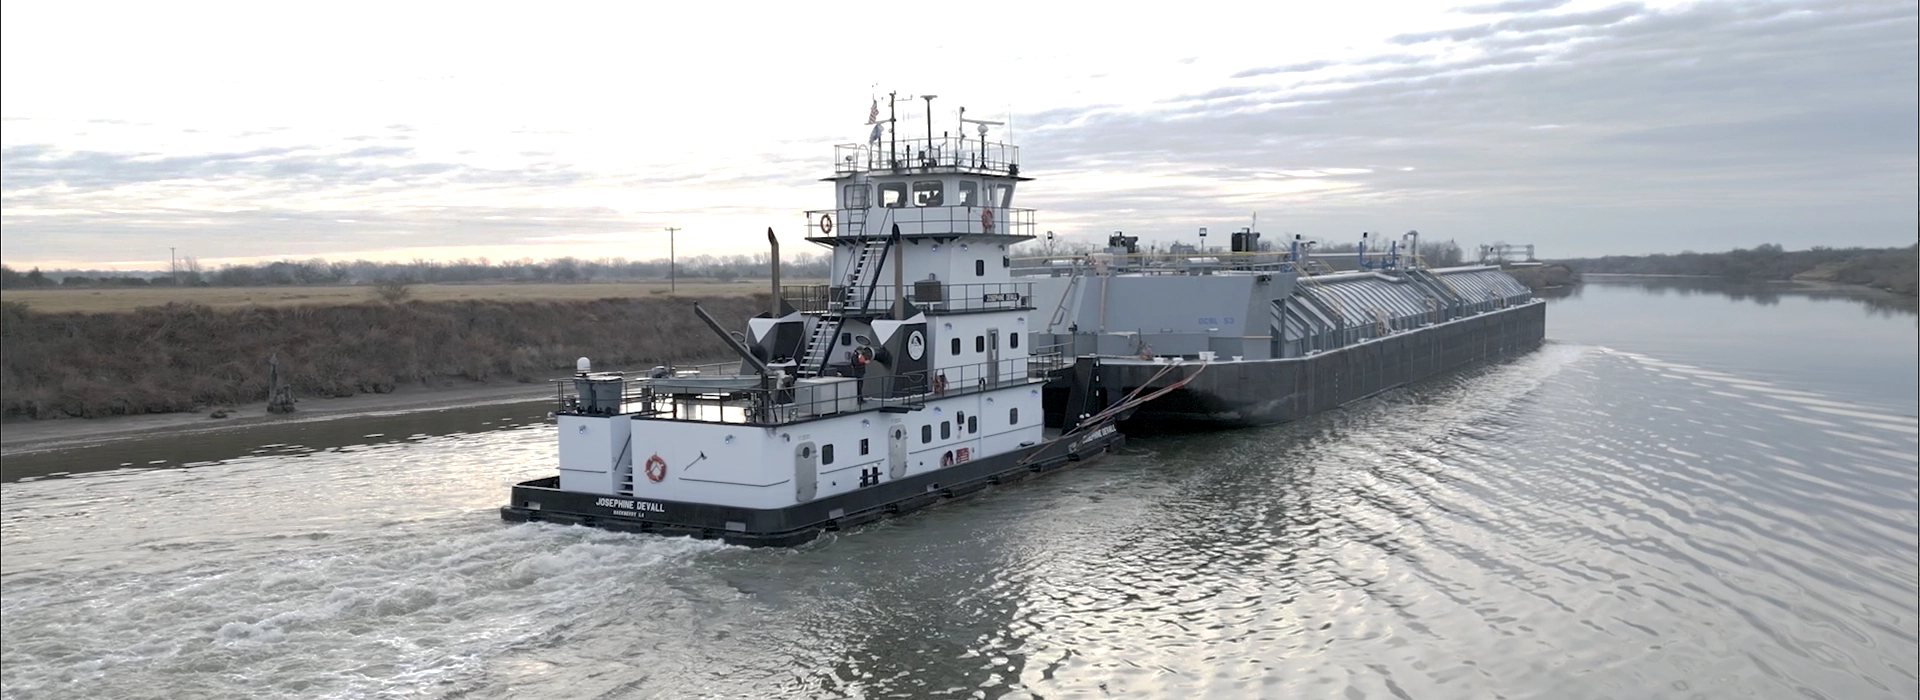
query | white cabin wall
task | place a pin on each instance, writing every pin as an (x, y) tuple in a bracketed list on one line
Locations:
[(750, 470), (591, 450), (997, 433)]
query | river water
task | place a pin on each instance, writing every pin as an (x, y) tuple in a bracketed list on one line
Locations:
[(1691, 491)]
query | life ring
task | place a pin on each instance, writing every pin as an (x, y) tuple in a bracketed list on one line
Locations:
[(946, 460), (826, 224), (986, 219), (656, 468)]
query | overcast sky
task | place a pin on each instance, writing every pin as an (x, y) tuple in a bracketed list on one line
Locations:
[(396, 130)]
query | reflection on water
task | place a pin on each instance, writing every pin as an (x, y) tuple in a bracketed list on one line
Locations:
[(1762, 293), (1656, 516)]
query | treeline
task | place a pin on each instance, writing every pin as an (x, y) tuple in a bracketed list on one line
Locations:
[(1893, 269), (317, 271), (185, 357)]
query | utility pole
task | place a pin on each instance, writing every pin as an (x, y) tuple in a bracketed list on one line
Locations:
[(672, 267), (173, 267)]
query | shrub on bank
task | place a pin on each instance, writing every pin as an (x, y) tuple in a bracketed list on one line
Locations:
[(181, 357)]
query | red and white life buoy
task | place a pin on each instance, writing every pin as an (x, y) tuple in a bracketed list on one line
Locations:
[(946, 460), (826, 224), (986, 219), (656, 468)]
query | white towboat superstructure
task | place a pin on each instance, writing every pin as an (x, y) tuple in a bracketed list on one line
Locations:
[(909, 378)]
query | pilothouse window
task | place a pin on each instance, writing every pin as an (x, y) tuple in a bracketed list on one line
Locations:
[(893, 195), (1000, 195), (969, 194), (926, 193), (854, 197)]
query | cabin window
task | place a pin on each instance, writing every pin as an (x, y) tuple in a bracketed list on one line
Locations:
[(973, 424), (969, 194), (956, 346), (1006, 261), (1013, 340), (926, 433), (1013, 416), (846, 338), (946, 430), (863, 445), (979, 268), (979, 343), (826, 454), (893, 195), (999, 195), (926, 193), (855, 196)]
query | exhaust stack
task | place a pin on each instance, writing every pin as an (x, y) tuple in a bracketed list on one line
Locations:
[(899, 286), (773, 303)]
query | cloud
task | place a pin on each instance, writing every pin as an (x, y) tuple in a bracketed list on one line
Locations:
[(1529, 23), (30, 166), (1510, 6), (1723, 124)]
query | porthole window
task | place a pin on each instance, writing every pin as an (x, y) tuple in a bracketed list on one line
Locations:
[(863, 445), (926, 434), (946, 430), (979, 343), (956, 346), (826, 454), (1013, 340), (973, 424), (979, 268), (1013, 416)]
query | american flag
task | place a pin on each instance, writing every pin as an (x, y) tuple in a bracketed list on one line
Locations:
[(873, 113)]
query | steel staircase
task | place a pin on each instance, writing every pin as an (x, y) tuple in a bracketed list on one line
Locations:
[(858, 293)]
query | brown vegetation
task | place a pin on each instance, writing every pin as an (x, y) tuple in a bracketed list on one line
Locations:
[(182, 357), (124, 299)]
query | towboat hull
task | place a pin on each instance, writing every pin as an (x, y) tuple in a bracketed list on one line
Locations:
[(541, 500)]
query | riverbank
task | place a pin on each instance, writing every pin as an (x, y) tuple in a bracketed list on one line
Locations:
[(23, 436), (189, 358)]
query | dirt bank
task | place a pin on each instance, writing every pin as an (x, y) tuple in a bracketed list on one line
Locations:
[(187, 358), (25, 436)]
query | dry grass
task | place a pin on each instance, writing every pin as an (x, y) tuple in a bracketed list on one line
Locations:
[(124, 299), (182, 357)]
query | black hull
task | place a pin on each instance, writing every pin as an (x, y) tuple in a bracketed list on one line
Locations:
[(540, 501), (1265, 392)]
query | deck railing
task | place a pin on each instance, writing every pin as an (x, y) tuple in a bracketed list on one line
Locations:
[(923, 155), (924, 221), (668, 397), (925, 295)]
